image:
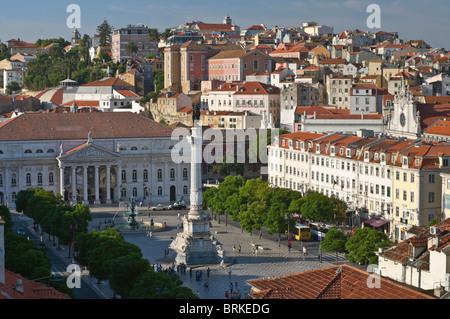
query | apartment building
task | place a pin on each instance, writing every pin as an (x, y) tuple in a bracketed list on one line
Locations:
[(338, 90), (132, 33), (394, 179)]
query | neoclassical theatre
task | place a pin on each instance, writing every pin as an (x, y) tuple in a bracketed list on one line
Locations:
[(90, 158)]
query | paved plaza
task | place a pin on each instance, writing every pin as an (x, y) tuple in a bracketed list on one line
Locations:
[(269, 261)]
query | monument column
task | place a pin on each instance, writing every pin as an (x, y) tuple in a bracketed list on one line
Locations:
[(195, 245), (74, 185), (85, 186), (61, 180), (119, 183), (108, 184), (97, 193)]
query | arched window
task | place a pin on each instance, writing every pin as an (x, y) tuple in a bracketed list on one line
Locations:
[(124, 176), (28, 151), (185, 190), (145, 148), (134, 148), (39, 151), (134, 176), (28, 179), (39, 178), (159, 175), (145, 175), (50, 150), (13, 180), (185, 174), (172, 174)]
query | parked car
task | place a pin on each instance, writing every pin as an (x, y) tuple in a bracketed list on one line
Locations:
[(21, 231), (177, 205), (159, 207)]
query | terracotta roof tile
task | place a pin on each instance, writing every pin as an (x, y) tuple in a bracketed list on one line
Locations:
[(63, 126)]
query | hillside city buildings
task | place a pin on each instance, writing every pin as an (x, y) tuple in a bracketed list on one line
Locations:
[(368, 116)]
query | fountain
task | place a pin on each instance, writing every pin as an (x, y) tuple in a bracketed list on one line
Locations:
[(133, 225), (131, 221)]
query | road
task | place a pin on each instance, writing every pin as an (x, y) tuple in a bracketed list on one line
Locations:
[(58, 264)]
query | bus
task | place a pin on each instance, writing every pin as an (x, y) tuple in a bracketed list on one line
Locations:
[(319, 230), (302, 232)]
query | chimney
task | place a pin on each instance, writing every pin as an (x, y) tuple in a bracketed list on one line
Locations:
[(2, 252)]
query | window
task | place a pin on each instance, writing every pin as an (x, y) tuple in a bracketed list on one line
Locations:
[(39, 179), (50, 178), (430, 197), (431, 179), (412, 197), (412, 178), (172, 174), (134, 192), (28, 151), (1, 180), (160, 191), (13, 180), (255, 64), (134, 176), (405, 177), (397, 193), (39, 151), (159, 175), (134, 148), (145, 175), (28, 179), (397, 176), (50, 150), (405, 196), (185, 190)]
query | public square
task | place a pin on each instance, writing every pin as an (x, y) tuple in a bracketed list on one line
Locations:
[(269, 261)]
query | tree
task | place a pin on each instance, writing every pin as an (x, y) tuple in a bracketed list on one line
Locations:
[(339, 209), (225, 168), (159, 285), (166, 34), (74, 221), (104, 31), (253, 217), (317, 207), (132, 48), (124, 272), (12, 87), (363, 245), (334, 241), (153, 35), (5, 215)]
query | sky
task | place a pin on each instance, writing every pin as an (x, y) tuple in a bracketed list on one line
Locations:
[(412, 19)]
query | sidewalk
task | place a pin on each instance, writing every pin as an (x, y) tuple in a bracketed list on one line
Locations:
[(269, 261)]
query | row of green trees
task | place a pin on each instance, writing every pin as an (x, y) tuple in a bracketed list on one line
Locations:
[(256, 205), (109, 257), (359, 248), (54, 217), (106, 254), (25, 257)]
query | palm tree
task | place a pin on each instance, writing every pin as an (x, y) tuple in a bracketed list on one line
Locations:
[(131, 48), (166, 34), (154, 35)]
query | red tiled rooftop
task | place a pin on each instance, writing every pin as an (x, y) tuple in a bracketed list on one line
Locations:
[(66, 126), (326, 283)]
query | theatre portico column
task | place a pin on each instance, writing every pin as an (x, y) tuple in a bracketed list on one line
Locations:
[(97, 193), (108, 184), (85, 186)]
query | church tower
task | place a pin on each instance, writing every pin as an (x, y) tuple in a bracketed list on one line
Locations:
[(227, 20), (75, 36), (404, 121)]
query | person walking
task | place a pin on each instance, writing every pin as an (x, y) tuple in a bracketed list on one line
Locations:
[(234, 249), (305, 253), (207, 272), (239, 249)]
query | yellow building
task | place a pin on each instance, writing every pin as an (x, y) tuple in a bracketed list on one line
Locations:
[(317, 54), (417, 185)]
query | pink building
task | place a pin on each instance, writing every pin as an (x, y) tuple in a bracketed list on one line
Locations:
[(138, 35), (254, 97), (235, 65)]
